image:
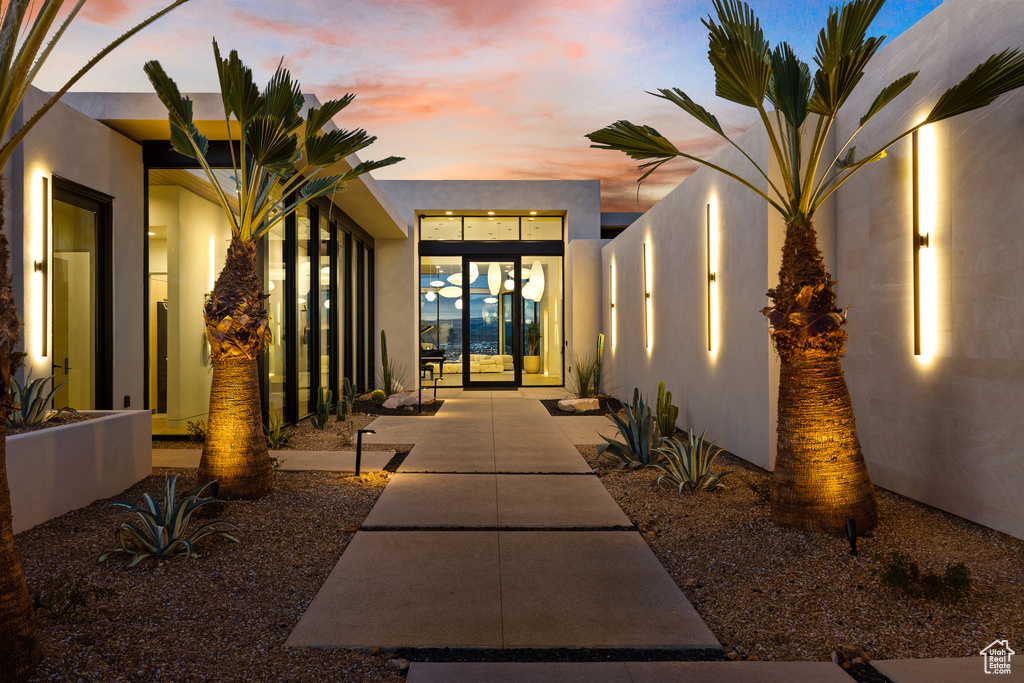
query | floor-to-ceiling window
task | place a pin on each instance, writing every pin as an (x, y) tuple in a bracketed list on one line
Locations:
[(310, 347), (491, 299)]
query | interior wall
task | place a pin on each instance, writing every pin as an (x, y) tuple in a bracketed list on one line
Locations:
[(943, 428)]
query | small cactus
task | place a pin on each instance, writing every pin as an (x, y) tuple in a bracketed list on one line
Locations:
[(378, 397), (667, 413)]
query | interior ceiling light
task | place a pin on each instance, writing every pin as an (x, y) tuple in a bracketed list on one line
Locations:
[(458, 304), (474, 272), (533, 213), (430, 296), (529, 291), (490, 219), (494, 278), (455, 279), (451, 292), (448, 213), (451, 219), (436, 283), (510, 284), (152, 233), (490, 213), (491, 300), (537, 280)]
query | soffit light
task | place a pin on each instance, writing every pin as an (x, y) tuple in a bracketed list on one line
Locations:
[(448, 213), (533, 213), (490, 213)]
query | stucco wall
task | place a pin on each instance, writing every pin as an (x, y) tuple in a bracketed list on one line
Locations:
[(726, 391), (944, 429), (397, 260), (69, 144)]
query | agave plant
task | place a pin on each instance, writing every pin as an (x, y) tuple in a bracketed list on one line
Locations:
[(821, 479), (639, 432), (277, 435), (687, 466), (164, 529), (30, 402)]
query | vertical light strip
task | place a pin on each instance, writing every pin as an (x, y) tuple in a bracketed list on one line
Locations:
[(925, 199), (611, 298), (711, 221), (648, 306), (40, 266)]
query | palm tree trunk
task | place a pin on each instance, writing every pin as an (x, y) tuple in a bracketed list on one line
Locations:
[(235, 454), (20, 650), (820, 478)]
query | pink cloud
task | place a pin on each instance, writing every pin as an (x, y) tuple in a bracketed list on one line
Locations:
[(106, 12)]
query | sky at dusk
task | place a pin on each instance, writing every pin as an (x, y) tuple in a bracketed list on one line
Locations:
[(466, 89)]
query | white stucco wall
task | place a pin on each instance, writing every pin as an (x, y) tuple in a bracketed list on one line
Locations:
[(397, 260), (945, 430), (70, 145), (727, 391)]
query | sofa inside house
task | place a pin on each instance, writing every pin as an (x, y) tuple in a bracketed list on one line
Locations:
[(478, 363)]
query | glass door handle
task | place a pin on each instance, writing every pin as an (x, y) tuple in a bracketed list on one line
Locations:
[(65, 368)]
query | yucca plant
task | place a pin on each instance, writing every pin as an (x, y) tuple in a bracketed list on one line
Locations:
[(277, 436), (820, 476), (163, 531), (324, 399), (283, 164), (686, 466), (392, 373), (27, 39), (347, 400), (30, 402), (584, 375), (639, 437), (667, 414)]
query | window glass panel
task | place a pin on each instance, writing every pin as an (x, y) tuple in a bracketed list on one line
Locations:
[(306, 298), (274, 279), (542, 228), (488, 228), (440, 317), (541, 285), (187, 247), (324, 302), (440, 228)]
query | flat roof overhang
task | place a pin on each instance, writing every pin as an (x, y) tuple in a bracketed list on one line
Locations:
[(141, 116)]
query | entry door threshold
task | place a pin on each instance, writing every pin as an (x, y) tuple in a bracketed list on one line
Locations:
[(490, 388)]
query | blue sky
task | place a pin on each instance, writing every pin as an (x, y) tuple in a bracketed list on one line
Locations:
[(483, 89)]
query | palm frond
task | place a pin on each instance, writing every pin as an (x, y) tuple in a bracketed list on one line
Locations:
[(326, 148), (842, 53), (282, 100), (887, 95), (239, 92), (998, 74), (271, 145), (316, 119), (682, 100), (738, 53), (789, 88)]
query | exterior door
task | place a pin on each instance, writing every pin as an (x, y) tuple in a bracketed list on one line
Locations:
[(490, 322), (80, 298)]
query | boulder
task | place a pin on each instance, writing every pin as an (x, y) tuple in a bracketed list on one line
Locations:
[(578, 405), (398, 400)]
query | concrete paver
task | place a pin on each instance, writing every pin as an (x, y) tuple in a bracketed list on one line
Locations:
[(409, 589), (602, 589), (291, 461), (433, 500), (945, 670), (587, 429), (556, 501), (396, 429), (627, 672)]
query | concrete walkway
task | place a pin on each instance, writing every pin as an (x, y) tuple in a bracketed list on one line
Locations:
[(495, 534)]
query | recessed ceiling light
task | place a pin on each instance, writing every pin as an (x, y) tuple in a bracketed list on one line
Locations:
[(490, 219), (490, 213), (447, 213), (531, 219), (533, 213), (451, 219), (152, 233)]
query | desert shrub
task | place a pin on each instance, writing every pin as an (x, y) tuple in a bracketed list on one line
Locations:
[(901, 572), (639, 435), (686, 466), (196, 431)]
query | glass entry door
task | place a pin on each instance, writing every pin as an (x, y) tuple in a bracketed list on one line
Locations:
[(79, 300), (490, 322)]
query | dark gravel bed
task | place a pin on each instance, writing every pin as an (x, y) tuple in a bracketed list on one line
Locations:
[(608, 405), (370, 408), (223, 615)]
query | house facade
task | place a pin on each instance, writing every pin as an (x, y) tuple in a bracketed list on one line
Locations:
[(494, 284)]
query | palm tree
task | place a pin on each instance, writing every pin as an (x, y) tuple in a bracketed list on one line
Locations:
[(820, 476), (275, 173), (21, 57)]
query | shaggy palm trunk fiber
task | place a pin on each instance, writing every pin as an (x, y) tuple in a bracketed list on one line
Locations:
[(820, 478), (237, 326), (20, 650)]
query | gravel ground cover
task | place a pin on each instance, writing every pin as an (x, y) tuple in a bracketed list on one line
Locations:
[(223, 615), (778, 594)]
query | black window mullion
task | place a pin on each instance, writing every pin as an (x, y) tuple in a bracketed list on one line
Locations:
[(361, 317), (350, 346), (291, 388), (332, 314)]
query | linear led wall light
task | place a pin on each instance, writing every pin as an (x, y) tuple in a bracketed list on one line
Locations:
[(648, 311), (611, 299), (924, 220), (40, 266), (711, 276)]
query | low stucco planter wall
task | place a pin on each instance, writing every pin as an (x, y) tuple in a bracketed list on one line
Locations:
[(52, 471)]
